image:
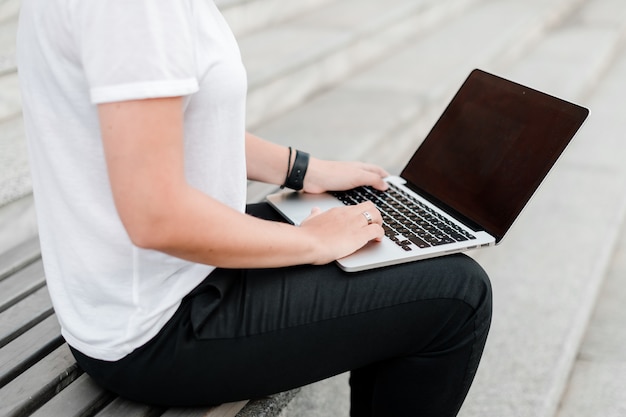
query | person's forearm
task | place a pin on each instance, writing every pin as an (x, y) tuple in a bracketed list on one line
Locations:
[(193, 226), (266, 161)]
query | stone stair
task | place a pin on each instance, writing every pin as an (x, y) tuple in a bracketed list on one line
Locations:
[(366, 80), (545, 291)]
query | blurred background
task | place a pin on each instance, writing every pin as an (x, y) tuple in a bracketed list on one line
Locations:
[(366, 79)]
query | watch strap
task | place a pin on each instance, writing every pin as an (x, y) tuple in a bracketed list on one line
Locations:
[(295, 179)]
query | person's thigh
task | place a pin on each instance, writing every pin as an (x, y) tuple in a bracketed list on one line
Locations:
[(246, 334)]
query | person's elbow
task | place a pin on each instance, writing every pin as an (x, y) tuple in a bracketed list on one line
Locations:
[(149, 226), (147, 233)]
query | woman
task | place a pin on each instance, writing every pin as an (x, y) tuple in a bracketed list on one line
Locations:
[(166, 291)]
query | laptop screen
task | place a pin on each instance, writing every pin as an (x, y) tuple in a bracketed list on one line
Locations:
[(491, 148)]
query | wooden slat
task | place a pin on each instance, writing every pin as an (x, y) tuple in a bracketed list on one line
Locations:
[(224, 410), (20, 285), (24, 315), (18, 257), (39, 383), (82, 397), (121, 407), (17, 356), (268, 406)]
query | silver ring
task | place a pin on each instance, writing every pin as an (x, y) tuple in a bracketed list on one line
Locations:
[(368, 217)]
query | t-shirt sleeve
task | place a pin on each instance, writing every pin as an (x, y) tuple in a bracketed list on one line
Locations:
[(137, 49)]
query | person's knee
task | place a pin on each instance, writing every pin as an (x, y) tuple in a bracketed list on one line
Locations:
[(473, 290), (476, 283)]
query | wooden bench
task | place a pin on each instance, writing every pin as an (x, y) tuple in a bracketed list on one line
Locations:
[(38, 374)]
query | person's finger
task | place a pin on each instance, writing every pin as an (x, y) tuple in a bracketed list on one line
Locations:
[(378, 183), (380, 171), (372, 232), (374, 221), (375, 177), (370, 213), (377, 232)]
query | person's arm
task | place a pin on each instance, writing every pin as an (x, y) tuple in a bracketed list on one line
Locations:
[(268, 162), (143, 144)]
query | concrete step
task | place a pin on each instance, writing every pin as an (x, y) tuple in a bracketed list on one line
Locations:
[(9, 92), (545, 290), (548, 289), (15, 181), (596, 384), (292, 61), (248, 16), (8, 24), (400, 97)]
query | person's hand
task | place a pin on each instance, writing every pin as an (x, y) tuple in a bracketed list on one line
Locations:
[(341, 231), (325, 175)]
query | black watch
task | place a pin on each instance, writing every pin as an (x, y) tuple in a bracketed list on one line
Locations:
[(295, 179)]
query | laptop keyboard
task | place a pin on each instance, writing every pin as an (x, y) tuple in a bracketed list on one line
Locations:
[(407, 221)]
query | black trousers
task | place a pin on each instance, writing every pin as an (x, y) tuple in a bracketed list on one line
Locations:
[(411, 335)]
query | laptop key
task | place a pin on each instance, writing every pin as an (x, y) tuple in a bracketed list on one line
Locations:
[(419, 242)]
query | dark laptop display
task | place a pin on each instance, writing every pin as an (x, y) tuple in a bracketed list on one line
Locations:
[(490, 150)]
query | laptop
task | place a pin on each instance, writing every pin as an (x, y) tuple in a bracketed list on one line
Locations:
[(470, 178)]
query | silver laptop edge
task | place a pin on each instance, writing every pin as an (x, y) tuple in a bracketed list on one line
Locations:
[(296, 206)]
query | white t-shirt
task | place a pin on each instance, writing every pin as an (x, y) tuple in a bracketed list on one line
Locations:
[(110, 296)]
